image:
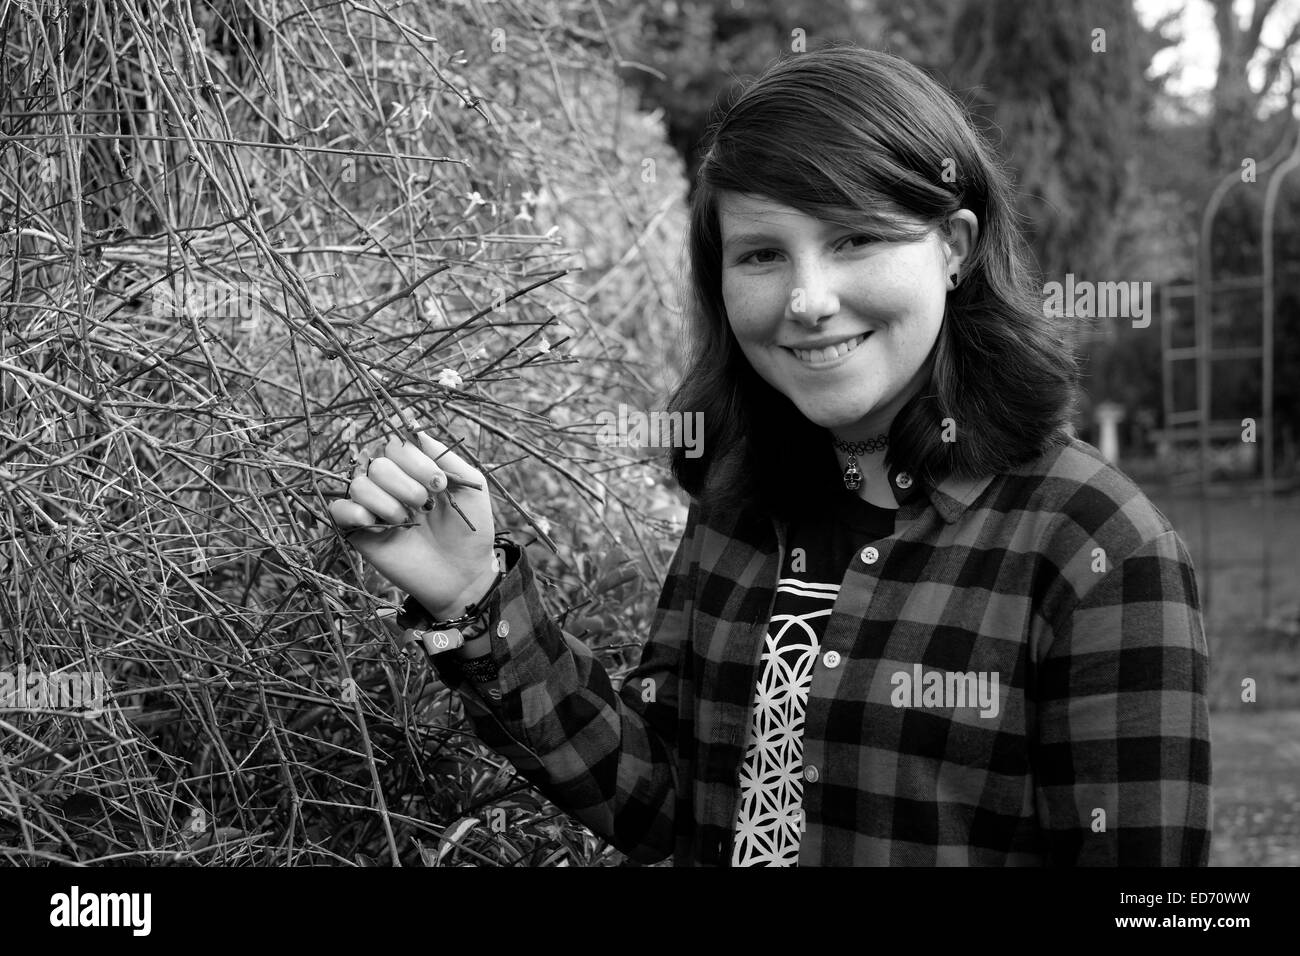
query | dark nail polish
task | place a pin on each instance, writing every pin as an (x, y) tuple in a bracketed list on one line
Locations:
[(428, 505)]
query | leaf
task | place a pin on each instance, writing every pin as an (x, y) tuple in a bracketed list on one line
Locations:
[(616, 578), (454, 834), (556, 855)]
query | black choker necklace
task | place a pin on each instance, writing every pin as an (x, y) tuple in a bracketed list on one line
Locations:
[(852, 475)]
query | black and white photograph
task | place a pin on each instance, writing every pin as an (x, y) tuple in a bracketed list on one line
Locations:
[(501, 435)]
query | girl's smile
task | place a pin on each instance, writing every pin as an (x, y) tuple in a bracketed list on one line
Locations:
[(827, 356)]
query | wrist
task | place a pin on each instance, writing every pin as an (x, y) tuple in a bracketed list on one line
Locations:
[(462, 625), (472, 595)]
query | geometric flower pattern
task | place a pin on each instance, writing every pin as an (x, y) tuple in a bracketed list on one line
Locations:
[(769, 822)]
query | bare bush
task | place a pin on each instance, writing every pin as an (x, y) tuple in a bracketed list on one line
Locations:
[(240, 238)]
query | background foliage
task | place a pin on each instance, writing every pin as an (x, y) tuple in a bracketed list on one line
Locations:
[(242, 237)]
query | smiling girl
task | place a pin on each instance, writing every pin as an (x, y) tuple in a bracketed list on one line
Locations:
[(911, 620)]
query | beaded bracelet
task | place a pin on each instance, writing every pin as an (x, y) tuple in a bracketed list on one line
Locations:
[(479, 669)]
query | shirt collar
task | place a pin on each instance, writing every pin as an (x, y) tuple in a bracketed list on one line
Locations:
[(950, 497)]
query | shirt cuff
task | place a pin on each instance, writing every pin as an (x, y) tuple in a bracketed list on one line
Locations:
[(526, 644), (447, 665)]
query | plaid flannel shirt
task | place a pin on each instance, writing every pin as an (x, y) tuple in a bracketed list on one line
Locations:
[(1060, 577)]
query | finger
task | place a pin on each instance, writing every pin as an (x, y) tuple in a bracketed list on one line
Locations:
[(392, 479), (447, 460), (416, 463), (347, 514), (379, 502)]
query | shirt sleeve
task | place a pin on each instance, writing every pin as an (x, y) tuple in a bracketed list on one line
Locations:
[(1122, 753), (606, 756)]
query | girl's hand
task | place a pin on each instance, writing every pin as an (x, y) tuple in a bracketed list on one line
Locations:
[(433, 556)]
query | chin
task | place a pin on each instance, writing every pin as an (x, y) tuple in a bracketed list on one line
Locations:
[(835, 417)]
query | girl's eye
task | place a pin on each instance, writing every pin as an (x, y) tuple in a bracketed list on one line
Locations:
[(864, 239), (859, 241)]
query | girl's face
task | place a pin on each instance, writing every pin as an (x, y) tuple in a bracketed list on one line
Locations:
[(793, 284)]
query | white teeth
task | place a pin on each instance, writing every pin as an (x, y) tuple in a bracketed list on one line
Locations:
[(825, 355)]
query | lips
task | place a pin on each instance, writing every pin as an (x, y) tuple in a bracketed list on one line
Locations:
[(830, 354)]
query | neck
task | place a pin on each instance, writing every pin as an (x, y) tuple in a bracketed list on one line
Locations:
[(856, 434)]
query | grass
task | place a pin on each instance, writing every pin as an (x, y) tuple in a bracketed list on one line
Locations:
[(1255, 747), (1256, 787), (1248, 636)]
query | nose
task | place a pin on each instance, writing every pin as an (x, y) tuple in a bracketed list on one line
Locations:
[(812, 296)]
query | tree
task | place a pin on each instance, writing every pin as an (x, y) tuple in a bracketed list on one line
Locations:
[(1236, 102), (1065, 85)]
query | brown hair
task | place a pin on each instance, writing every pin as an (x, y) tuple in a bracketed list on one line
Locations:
[(888, 139)]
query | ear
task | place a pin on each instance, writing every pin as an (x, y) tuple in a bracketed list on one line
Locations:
[(960, 232)]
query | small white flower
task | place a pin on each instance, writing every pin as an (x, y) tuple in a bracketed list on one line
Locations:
[(543, 526), (524, 215), (543, 346), (449, 378), (479, 353)]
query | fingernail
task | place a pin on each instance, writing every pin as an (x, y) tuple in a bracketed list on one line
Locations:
[(428, 505)]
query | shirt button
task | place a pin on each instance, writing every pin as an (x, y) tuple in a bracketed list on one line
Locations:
[(810, 774), (903, 480), (503, 628), (831, 659), (870, 555)]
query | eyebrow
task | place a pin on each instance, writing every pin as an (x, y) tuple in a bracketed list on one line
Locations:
[(744, 238), (866, 223)]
